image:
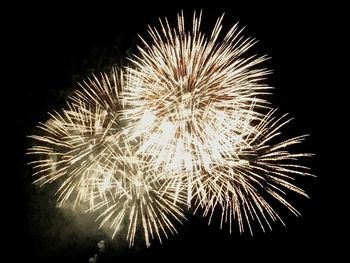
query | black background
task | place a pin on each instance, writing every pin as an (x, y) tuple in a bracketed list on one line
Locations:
[(54, 46)]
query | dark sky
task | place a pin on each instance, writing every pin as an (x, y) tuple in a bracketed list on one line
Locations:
[(55, 46)]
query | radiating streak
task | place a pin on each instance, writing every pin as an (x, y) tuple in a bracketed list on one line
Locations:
[(187, 123)]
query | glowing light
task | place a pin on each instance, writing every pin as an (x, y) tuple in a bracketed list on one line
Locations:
[(86, 151), (186, 124), (203, 93), (147, 119), (240, 189), (139, 200)]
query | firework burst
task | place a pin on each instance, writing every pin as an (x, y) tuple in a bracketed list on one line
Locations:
[(193, 96), (141, 201), (262, 169), (198, 108), (72, 147), (86, 151), (187, 123)]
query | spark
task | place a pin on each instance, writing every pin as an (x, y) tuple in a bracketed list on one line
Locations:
[(72, 145), (193, 97), (199, 112), (85, 149), (140, 200), (264, 169), (185, 124)]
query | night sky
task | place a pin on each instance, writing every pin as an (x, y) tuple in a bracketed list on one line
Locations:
[(56, 46)]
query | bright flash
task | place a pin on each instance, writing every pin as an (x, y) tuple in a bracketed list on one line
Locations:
[(185, 124)]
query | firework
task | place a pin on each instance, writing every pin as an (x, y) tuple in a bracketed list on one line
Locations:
[(197, 106), (187, 123), (193, 97), (140, 200), (72, 147), (84, 149), (262, 170)]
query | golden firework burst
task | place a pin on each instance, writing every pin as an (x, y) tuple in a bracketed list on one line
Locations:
[(185, 123)]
